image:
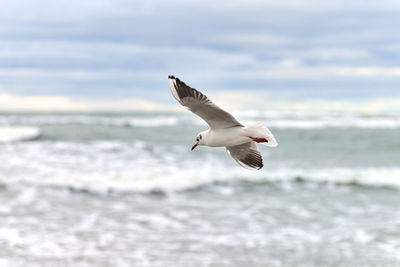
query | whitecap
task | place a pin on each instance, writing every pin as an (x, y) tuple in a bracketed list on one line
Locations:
[(336, 123), (175, 180), (18, 133)]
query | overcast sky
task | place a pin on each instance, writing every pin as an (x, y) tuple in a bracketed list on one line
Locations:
[(120, 50)]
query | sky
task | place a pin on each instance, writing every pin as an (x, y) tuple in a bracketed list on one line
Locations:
[(117, 54)]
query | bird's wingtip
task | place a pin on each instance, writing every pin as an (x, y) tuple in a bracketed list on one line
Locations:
[(171, 77)]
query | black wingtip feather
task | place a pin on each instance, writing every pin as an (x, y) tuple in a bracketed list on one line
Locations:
[(171, 77)]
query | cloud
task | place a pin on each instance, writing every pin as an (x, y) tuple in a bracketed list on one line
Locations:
[(125, 49), (10, 102), (385, 72)]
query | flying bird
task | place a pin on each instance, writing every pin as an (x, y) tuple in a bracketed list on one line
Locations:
[(225, 130)]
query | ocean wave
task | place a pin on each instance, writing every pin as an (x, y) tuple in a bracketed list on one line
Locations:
[(18, 133), (273, 120), (174, 180), (122, 121), (336, 123)]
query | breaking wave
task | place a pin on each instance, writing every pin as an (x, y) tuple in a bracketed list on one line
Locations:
[(175, 180), (339, 123), (18, 133), (282, 121)]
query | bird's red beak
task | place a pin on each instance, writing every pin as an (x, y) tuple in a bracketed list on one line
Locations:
[(194, 146)]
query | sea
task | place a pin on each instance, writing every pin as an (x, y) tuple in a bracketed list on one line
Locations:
[(124, 189)]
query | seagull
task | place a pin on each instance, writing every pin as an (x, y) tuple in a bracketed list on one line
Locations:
[(225, 130)]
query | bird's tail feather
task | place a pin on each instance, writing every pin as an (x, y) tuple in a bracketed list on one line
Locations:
[(261, 134)]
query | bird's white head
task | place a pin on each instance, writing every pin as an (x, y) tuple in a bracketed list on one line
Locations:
[(200, 139)]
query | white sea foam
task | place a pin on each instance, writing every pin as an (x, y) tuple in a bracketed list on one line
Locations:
[(140, 166), (185, 179), (271, 119), (376, 177), (17, 133)]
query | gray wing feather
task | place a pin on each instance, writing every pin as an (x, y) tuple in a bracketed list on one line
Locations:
[(247, 155), (201, 105)]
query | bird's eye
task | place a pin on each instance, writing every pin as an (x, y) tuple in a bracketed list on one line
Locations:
[(197, 139)]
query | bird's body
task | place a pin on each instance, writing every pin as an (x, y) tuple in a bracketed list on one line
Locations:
[(224, 137), (225, 130)]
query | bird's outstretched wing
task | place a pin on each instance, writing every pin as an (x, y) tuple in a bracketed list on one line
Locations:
[(200, 105), (247, 155)]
